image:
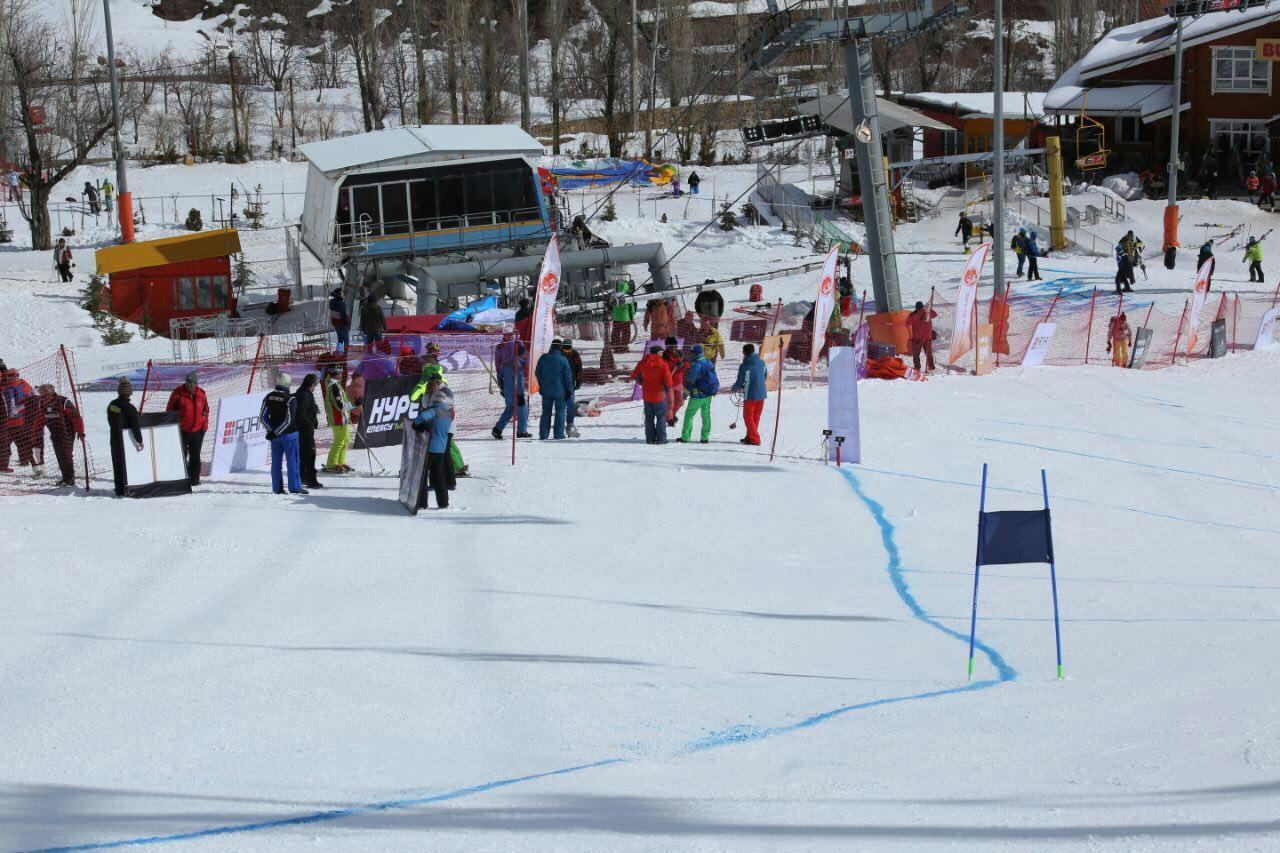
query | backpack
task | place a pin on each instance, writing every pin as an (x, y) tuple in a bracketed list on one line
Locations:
[(709, 383), (1016, 242)]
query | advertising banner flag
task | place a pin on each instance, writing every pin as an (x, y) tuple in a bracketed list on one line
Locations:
[(982, 356), (1197, 303), (967, 304), (860, 349), (544, 309), (823, 305), (772, 350), (842, 404), (386, 405), (240, 441), (1267, 331), (1041, 338)]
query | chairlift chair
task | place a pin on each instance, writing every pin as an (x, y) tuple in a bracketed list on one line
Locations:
[(1091, 141)]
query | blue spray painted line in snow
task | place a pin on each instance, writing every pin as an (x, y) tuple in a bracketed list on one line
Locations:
[(1004, 672), (334, 814), (735, 735)]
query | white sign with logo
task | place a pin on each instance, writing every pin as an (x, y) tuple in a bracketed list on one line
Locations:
[(1039, 346), (240, 442), (842, 404), (1267, 331)]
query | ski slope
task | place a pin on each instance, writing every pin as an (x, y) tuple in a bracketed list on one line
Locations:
[(613, 646), (617, 646)]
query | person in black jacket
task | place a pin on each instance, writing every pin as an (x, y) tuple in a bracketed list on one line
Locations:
[(964, 229), (279, 416), (308, 423), (575, 366), (122, 416), (373, 322)]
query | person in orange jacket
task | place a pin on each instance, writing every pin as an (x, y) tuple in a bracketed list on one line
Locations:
[(675, 363), (192, 406), (658, 319), (920, 326), (654, 377)]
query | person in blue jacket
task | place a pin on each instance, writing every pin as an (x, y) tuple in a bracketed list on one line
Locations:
[(555, 384), (512, 360), (279, 416), (1033, 256), (701, 384), (437, 417), (751, 384)]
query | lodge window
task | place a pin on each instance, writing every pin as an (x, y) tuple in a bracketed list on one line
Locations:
[(184, 294), (1133, 129), (1235, 70), (395, 208), (1249, 137), (220, 291), (204, 293)]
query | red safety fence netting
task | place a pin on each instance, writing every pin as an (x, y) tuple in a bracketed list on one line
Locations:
[(41, 428)]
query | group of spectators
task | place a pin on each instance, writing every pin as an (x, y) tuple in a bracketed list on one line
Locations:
[(25, 415)]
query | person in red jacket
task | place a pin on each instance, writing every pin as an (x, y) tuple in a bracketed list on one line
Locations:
[(65, 425), (192, 406), (15, 390), (675, 363), (920, 325), (655, 384), (410, 364)]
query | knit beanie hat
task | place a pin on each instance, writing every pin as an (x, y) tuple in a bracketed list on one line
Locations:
[(124, 386)]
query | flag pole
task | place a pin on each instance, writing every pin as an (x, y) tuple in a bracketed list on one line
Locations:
[(977, 567), (1053, 573)]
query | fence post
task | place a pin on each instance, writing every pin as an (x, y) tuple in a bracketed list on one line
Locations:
[(1235, 321), (862, 307), (1178, 338), (1146, 324), (75, 396), (146, 381), (1089, 331), (254, 369), (1276, 296)]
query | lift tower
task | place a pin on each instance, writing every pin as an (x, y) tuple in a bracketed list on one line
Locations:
[(784, 30)]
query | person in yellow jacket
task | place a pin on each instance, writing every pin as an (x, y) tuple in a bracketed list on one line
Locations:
[(337, 411), (712, 342), (1253, 254)]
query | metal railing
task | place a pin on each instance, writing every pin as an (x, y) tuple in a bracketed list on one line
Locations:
[(1034, 216), (442, 234), (795, 208)]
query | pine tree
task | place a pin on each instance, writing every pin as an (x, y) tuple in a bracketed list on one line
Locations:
[(242, 275), (255, 208), (610, 214), (195, 221), (728, 220)]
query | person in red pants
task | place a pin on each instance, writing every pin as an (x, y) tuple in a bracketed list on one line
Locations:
[(65, 425), (751, 384), (675, 363), (920, 325)]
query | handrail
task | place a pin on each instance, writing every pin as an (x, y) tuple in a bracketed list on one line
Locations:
[(362, 231)]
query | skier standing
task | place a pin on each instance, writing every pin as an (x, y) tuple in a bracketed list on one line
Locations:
[(65, 425), (1251, 184), (192, 406), (752, 384), (279, 416), (62, 260), (1253, 254), (16, 391), (91, 196), (308, 422), (555, 384), (575, 368), (339, 318), (1118, 334), (337, 412), (513, 362), (964, 228), (702, 384), (675, 363), (1033, 255), (655, 384), (122, 417), (920, 326), (1019, 246)]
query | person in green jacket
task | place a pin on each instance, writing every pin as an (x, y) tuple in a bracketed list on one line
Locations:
[(624, 317), (433, 370), (1253, 254)]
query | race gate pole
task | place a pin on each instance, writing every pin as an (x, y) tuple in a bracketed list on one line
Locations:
[(777, 416), (1178, 338), (977, 568), (1089, 331), (75, 396), (1053, 572), (146, 381), (254, 369)]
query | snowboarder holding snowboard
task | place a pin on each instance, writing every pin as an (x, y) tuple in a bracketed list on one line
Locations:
[(437, 417)]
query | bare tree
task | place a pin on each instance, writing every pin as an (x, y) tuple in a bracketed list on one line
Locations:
[(56, 123)]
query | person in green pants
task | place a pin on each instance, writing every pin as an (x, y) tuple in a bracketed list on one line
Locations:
[(701, 383), (337, 410), (623, 316), (428, 371)]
